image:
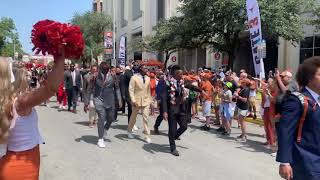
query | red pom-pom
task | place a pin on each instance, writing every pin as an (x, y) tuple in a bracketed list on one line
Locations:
[(48, 37)]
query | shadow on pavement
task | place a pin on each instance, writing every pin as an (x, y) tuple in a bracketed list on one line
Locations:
[(118, 126), (124, 137), (55, 107), (89, 139), (250, 145), (156, 148), (83, 123)]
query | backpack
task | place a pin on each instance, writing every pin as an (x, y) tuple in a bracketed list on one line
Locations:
[(304, 100)]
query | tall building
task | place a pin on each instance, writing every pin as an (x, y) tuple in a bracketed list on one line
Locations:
[(137, 18), (97, 5)]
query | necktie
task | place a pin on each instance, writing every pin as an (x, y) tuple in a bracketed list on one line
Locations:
[(178, 88), (143, 80)]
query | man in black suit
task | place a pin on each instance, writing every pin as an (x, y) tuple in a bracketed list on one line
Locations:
[(126, 80), (73, 85), (174, 106)]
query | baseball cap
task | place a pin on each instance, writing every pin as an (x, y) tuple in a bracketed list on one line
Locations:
[(228, 84)]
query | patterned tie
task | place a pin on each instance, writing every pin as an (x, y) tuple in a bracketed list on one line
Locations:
[(144, 81)]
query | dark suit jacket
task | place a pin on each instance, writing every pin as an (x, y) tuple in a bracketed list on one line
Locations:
[(122, 85), (104, 91), (88, 87), (68, 83), (305, 157), (127, 77), (181, 105)]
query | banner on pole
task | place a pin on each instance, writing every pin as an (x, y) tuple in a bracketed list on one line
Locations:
[(122, 52), (254, 24), (108, 42)]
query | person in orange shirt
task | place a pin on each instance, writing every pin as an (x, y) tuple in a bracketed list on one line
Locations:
[(153, 84), (206, 96)]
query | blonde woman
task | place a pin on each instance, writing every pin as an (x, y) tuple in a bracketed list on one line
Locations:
[(19, 121)]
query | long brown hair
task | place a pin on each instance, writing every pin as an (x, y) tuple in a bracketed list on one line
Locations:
[(6, 99)]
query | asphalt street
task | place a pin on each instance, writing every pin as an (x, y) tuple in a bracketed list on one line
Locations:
[(70, 152)]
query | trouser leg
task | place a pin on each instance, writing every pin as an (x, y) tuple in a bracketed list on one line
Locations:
[(172, 123), (145, 119), (133, 118), (101, 111), (129, 110), (159, 118), (109, 118), (183, 125), (70, 97), (75, 97)]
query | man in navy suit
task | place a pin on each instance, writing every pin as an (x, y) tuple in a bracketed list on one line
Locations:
[(300, 160)]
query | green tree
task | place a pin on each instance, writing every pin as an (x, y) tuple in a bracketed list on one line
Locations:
[(93, 25), (222, 23), (170, 37), (9, 39)]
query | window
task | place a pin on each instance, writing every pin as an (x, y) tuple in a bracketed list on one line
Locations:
[(124, 22), (101, 7), (136, 12), (95, 8), (309, 46), (161, 9)]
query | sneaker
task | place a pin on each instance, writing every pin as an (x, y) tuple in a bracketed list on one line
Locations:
[(101, 143), (175, 153), (148, 140), (242, 138), (130, 135), (205, 128), (135, 128), (273, 154), (64, 107), (221, 129), (225, 133), (60, 107)]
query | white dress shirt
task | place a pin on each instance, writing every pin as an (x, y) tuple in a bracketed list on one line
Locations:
[(315, 95), (73, 74)]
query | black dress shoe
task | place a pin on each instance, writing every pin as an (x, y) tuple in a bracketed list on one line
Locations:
[(175, 153), (178, 139)]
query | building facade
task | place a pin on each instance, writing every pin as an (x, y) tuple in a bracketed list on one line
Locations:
[(137, 18)]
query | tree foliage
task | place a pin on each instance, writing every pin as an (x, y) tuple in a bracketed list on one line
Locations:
[(170, 37), (222, 23), (9, 38), (93, 25)]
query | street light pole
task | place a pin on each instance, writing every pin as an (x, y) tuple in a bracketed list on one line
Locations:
[(14, 49), (114, 29)]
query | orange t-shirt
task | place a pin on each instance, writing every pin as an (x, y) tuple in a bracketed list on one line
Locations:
[(153, 87), (207, 87)]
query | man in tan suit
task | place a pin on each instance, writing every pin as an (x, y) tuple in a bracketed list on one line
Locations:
[(140, 94)]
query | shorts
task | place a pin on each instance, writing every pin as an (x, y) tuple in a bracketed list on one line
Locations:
[(226, 111), (242, 113), (206, 108), (252, 101)]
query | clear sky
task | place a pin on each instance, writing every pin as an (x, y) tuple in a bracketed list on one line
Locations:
[(25, 13)]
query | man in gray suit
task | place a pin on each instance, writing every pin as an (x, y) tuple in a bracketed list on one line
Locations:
[(73, 86), (104, 100), (88, 88)]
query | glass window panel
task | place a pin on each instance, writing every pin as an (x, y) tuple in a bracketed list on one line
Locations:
[(307, 42), (317, 41), (317, 51), (305, 53)]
